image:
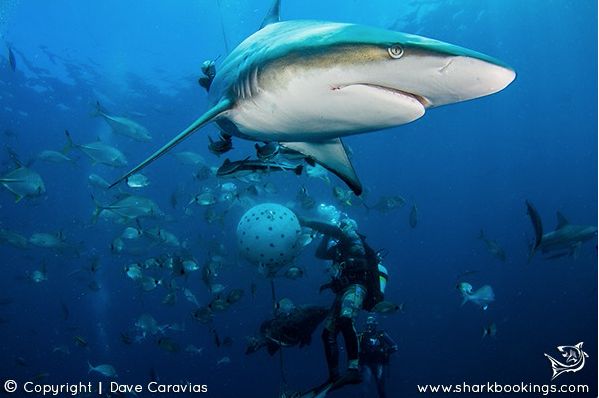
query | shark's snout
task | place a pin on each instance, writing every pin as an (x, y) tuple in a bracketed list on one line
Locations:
[(463, 78), (438, 73)]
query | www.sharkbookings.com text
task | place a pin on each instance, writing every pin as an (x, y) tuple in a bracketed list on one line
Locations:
[(72, 389)]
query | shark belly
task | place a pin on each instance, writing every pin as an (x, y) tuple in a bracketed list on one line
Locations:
[(292, 105)]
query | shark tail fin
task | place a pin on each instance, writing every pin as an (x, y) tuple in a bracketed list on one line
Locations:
[(90, 367), (535, 219), (207, 117)]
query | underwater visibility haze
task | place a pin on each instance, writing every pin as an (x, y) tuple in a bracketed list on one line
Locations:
[(172, 174)]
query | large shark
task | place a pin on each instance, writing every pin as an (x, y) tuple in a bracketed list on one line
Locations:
[(307, 84), (565, 240)]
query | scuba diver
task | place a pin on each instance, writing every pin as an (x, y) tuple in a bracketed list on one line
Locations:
[(287, 329), (376, 348), (358, 282), (224, 142), (209, 71)]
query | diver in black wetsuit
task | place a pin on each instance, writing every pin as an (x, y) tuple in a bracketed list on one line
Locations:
[(376, 348), (209, 71), (223, 143), (358, 283)]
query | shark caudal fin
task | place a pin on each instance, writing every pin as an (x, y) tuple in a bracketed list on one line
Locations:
[(332, 156), (207, 117), (537, 224)]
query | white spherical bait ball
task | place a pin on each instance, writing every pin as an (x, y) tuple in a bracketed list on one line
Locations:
[(268, 234)]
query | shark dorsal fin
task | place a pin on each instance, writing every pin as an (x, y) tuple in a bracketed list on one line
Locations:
[(273, 15), (561, 221)]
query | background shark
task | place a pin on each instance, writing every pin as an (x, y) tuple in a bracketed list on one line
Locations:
[(565, 240), (306, 84)]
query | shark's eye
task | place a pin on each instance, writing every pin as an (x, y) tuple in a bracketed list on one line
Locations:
[(395, 51)]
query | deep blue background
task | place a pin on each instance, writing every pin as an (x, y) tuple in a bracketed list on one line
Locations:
[(467, 166)]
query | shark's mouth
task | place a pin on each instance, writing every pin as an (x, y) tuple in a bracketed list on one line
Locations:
[(423, 101)]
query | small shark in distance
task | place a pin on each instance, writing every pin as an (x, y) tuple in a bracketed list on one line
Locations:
[(306, 84), (565, 240)]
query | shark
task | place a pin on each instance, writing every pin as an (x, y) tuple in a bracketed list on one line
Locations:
[(565, 240), (307, 84)]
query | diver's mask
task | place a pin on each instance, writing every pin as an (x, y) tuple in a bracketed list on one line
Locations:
[(371, 324)]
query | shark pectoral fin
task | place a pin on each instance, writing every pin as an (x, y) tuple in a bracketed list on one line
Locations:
[(273, 15), (207, 117), (332, 156)]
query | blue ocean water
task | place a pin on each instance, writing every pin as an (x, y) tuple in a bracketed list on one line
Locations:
[(467, 167)]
